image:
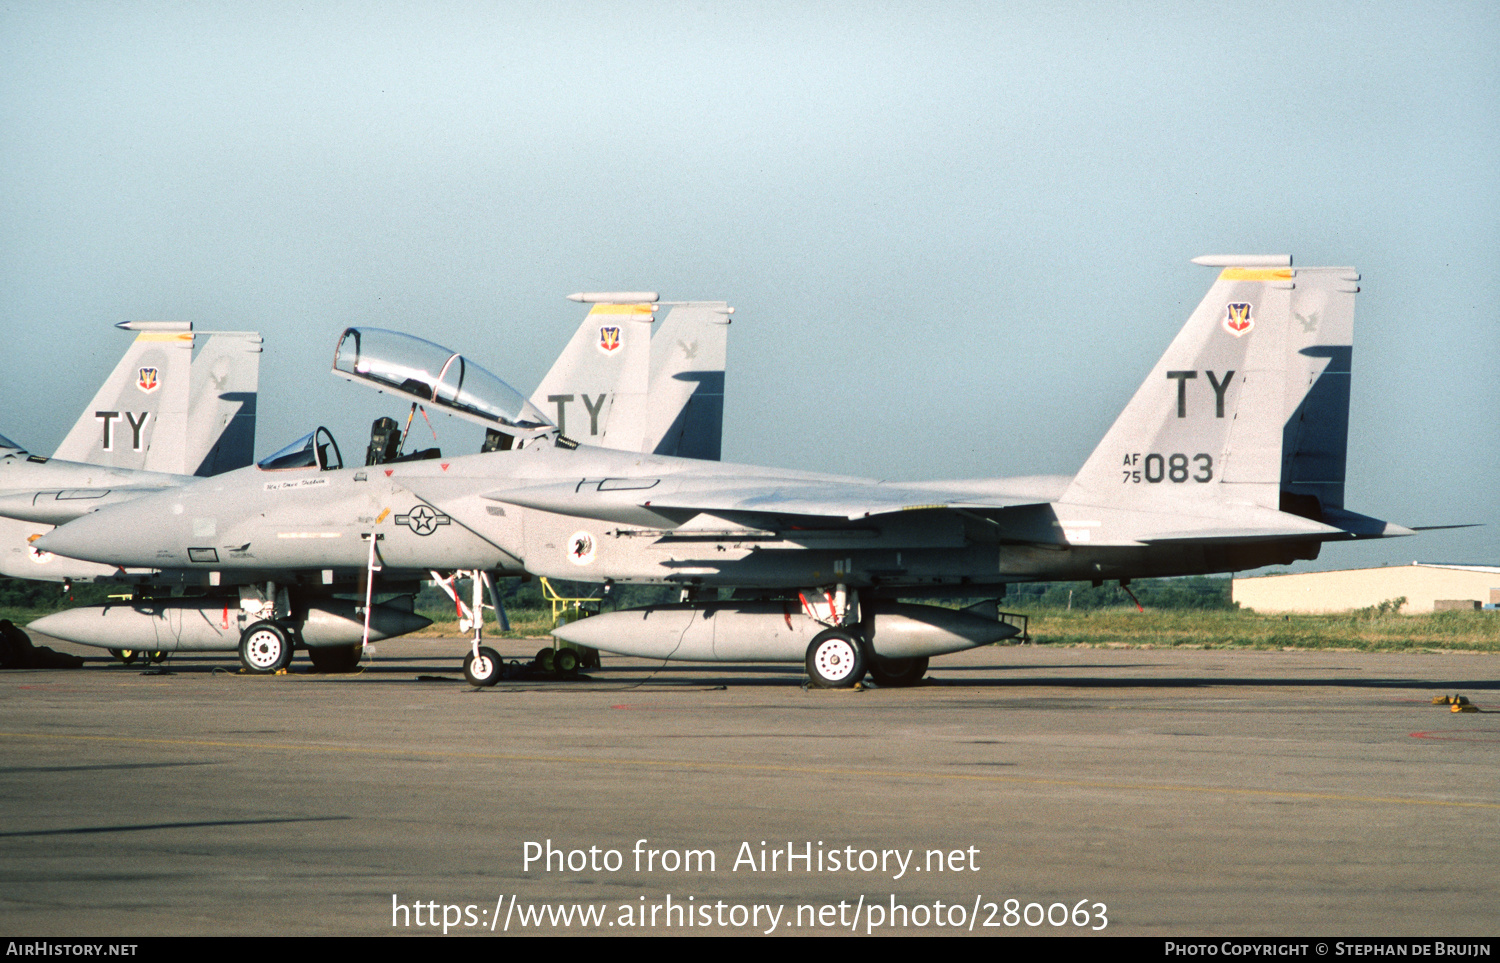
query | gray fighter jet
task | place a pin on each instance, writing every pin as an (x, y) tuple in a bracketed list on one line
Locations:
[(1230, 456), (162, 417), (641, 393)]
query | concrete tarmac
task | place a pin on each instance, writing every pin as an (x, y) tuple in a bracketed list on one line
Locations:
[(1140, 792)]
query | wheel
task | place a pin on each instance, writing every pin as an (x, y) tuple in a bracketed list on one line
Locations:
[(265, 647), (546, 660), (335, 658), (118, 653), (566, 662), (156, 657), (891, 673), (127, 656), (834, 660), (482, 670)]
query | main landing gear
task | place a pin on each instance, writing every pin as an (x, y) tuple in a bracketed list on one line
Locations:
[(839, 656), (265, 648), (835, 659)]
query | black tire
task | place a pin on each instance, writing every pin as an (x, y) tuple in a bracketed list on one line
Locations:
[(894, 673), (484, 670), (566, 662), (546, 660), (265, 648), (127, 656), (156, 657), (335, 658), (835, 660)]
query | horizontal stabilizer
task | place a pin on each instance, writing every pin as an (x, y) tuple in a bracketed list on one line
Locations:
[(1363, 526), (1336, 525), (1229, 535)]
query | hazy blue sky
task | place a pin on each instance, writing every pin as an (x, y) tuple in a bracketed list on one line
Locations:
[(956, 235)]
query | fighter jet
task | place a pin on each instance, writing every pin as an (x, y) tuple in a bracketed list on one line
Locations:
[(162, 417), (1230, 456), (641, 393)]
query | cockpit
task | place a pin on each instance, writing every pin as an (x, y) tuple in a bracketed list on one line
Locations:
[(313, 450), (434, 376)]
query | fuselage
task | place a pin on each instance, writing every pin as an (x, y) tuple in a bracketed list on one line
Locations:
[(600, 524)]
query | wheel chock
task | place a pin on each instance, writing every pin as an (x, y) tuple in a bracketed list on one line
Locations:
[(1464, 707)]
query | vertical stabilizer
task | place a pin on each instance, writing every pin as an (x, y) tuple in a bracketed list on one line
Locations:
[(688, 355), (596, 391), (1250, 398), (142, 404), (1315, 437), (221, 414)]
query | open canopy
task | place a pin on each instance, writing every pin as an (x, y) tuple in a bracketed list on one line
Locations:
[(432, 375)]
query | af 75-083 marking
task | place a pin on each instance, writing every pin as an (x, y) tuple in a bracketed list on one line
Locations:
[(1173, 467)]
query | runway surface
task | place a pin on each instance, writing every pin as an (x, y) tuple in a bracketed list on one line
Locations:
[(1145, 792)]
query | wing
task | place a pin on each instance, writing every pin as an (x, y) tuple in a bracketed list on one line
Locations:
[(651, 500)]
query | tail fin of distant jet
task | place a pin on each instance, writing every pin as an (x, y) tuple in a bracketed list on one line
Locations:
[(673, 404), (221, 414), (597, 390), (688, 355), (1248, 407), (162, 409), (144, 398)]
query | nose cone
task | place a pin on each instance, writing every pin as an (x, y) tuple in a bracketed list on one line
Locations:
[(112, 536)]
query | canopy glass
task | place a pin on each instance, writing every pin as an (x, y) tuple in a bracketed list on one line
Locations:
[(433, 375)]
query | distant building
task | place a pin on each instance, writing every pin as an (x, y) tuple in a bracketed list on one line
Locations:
[(1423, 585)]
